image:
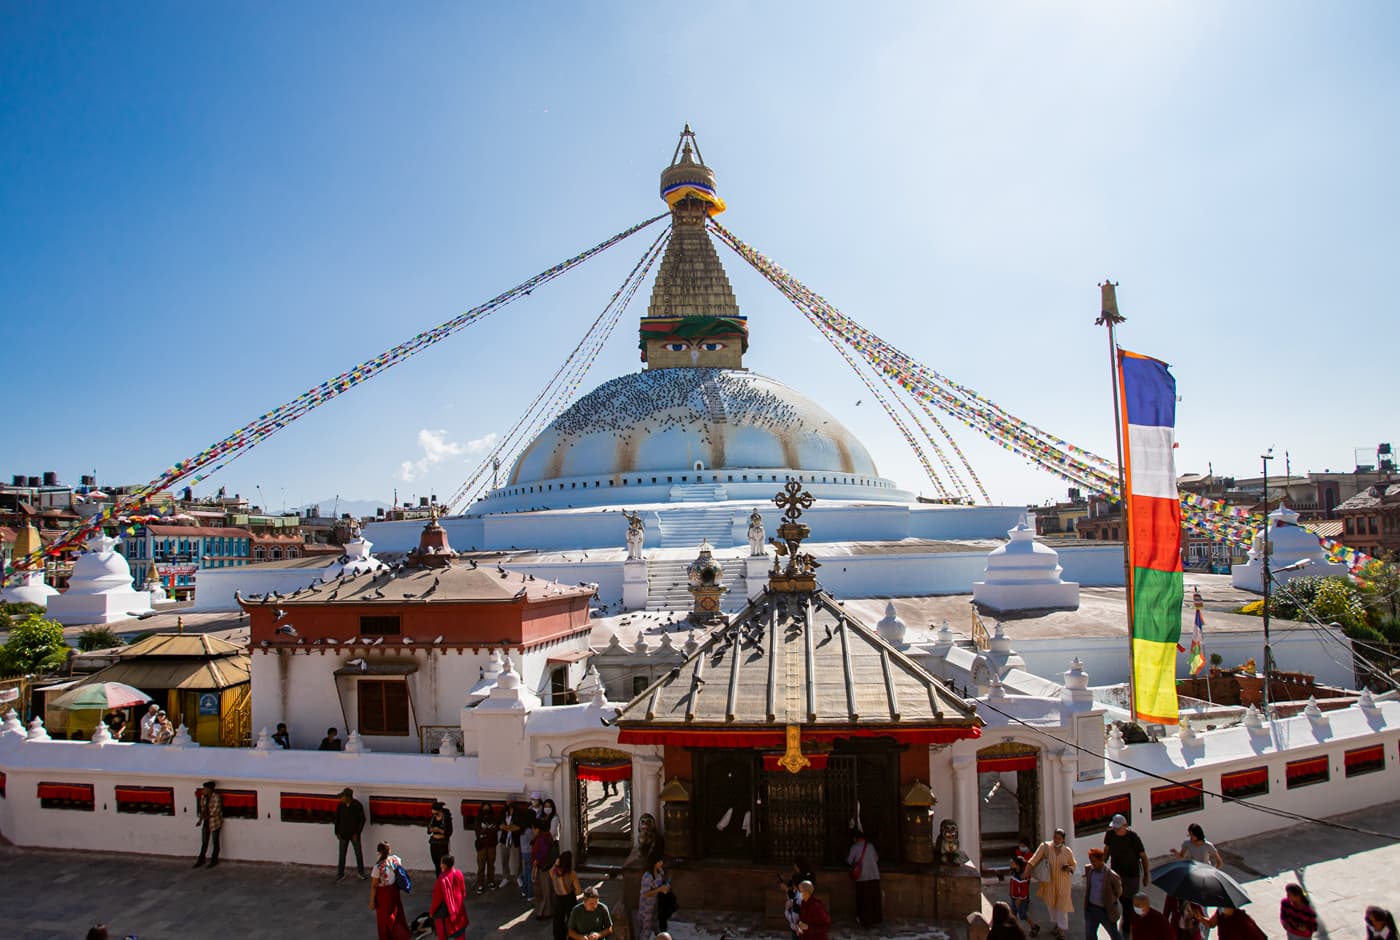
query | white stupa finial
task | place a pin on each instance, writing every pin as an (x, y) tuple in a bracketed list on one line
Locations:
[(355, 744), (182, 737), (101, 735), (264, 740), (37, 731)]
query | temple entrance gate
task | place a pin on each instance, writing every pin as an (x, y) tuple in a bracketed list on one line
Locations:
[(602, 806), (1008, 787)]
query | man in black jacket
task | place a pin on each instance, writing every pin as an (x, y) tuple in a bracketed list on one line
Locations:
[(349, 823)]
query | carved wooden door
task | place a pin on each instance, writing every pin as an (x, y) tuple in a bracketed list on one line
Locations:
[(794, 817), (726, 820)]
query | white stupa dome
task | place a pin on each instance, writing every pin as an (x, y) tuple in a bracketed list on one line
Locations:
[(665, 427)]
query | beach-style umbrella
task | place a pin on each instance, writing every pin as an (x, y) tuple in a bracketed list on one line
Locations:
[(102, 695), (1191, 880)]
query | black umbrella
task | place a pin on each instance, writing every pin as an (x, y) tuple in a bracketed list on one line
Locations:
[(1191, 880)]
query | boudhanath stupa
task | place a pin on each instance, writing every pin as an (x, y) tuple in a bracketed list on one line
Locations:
[(695, 443)]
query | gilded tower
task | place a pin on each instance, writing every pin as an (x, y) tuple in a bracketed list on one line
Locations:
[(693, 320)]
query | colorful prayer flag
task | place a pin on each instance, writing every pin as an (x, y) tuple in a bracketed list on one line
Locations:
[(1148, 408), (1198, 638)]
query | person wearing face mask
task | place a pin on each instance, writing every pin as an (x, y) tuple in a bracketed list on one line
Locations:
[(1234, 924), (1149, 924), (547, 812), (1056, 890)]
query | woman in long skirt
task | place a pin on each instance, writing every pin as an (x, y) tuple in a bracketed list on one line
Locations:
[(384, 897)]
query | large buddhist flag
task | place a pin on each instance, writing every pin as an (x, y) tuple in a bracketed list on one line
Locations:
[(1154, 531)]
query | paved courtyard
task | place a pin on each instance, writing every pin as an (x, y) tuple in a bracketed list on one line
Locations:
[(52, 894)]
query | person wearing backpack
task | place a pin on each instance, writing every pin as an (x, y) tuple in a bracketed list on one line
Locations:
[(387, 879)]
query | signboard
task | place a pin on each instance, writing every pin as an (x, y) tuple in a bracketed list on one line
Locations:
[(208, 703), (168, 570)]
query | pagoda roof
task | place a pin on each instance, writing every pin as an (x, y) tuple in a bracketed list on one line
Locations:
[(459, 583), (795, 660)]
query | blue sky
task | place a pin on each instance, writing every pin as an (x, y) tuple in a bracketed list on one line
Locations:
[(207, 209)]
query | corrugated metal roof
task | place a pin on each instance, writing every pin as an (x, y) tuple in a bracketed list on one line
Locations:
[(187, 674), (797, 660), (180, 645)]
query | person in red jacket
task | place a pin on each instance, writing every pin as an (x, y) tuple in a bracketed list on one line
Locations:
[(449, 904), (1234, 924), (816, 920)]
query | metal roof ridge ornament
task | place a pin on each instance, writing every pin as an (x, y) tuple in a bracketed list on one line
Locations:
[(799, 574), (793, 760)]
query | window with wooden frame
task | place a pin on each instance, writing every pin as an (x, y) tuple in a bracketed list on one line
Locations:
[(400, 810), (150, 801), (380, 625), (1177, 798), (237, 804), (1307, 771), (1094, 816), (1365, 760), (309, 807), (1239, 784), (78, 796), (383, 707)]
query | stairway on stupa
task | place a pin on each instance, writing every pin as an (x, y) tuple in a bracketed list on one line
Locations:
[(666, 583)]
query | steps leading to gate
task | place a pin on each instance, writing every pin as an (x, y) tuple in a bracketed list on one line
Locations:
[(698, 493), (684, 528), (666, 585)]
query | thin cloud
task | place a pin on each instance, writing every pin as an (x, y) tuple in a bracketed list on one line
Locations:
[(437, 448)]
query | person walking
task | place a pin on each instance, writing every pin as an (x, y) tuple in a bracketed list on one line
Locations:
[(542, 858), (1127, 856), (1102, 890), (449, 904), (1235, 924), (563, 881), (1004, 925), (1057, 889), (1196, 847), (488, 829), (815, 922), (1187, 918), (1149, 924), (1380, 924), (590, 920), (1296, 913), (1019, 890), (548, 811), (864, 860), (384, 897), (439, 833), (331, 742), (655, 882), (349, 823), (209, 816)]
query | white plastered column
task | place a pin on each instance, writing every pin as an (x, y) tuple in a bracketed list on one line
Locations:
[(1067, 765), (965, 805), (646, 791)]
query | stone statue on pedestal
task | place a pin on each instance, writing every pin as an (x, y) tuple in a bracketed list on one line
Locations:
[(635, 535), (757, 536)]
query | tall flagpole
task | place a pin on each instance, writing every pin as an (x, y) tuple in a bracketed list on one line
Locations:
[(1110, 317)]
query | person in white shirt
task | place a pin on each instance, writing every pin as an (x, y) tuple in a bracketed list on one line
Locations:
[(148, 724)]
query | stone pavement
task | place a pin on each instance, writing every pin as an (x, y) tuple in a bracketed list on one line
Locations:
[(59, 894)]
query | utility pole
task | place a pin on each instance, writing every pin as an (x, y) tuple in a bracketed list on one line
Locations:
[(1268, 577), (1110, 317)]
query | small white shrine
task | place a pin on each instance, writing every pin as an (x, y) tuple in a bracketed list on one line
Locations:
[(357, 559), (29, 586), (1023, 574), (100, 589), (1289, 544)]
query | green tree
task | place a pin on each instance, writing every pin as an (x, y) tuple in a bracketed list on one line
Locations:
[(98, 638), (13, 613), (1380, 590), (35, 644)]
